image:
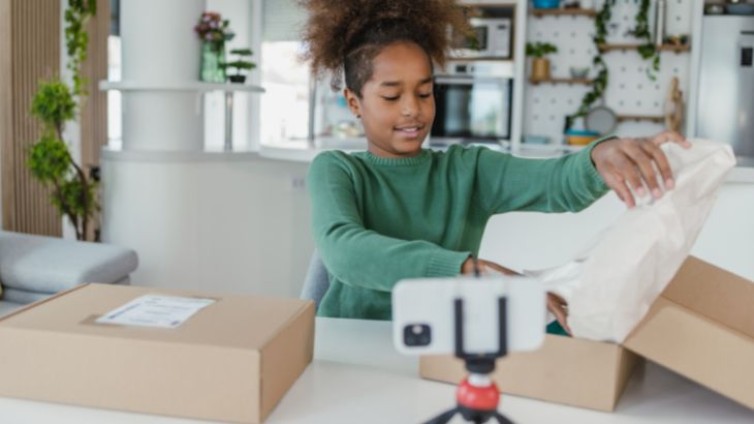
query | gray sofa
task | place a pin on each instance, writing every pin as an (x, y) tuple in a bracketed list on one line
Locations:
[(34, 267)]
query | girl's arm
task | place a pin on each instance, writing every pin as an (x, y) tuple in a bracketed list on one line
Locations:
[(359, 256)]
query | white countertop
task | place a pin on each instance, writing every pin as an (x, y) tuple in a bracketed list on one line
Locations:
[(357, 377)]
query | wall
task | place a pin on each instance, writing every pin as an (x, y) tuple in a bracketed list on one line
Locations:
[(216, 222), (29, 52), (537, 241), (630, 91)]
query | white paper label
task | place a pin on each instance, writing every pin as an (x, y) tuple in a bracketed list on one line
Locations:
[(155, 311)]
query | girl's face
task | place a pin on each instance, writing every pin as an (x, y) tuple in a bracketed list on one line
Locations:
[(397, 106)]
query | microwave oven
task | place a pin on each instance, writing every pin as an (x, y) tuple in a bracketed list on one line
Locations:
[(491, 39), (473, 102)]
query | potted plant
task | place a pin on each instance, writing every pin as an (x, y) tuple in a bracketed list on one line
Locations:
[(214, 32), (240, 65), (540, 66), (73, 192)]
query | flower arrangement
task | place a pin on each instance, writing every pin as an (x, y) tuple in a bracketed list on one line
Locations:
[(213, 29)]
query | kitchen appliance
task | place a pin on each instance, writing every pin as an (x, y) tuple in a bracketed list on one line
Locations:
[(725, 110), (492, 39), (473, 102)]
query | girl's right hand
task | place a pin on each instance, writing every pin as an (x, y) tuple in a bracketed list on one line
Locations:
[(484, 267), (555, 304)]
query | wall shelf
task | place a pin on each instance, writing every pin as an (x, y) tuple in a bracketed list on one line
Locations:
[(197, 86), (191, 87), (563, 12), (665, 47), (487, 3), (653, 118), (584, 81)]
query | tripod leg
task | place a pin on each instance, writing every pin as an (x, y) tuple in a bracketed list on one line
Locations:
[(443, 418), (502, 419)]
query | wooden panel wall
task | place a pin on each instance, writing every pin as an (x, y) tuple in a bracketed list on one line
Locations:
[(29, 52)]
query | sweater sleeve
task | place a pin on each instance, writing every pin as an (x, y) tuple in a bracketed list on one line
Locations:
[(356, 255), (566, 184)]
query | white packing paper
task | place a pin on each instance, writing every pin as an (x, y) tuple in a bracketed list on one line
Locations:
[(611, 286), (155, 311)]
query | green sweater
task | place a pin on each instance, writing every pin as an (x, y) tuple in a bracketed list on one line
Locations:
[(379, 220)]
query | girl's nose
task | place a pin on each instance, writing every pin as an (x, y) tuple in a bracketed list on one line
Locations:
[(410, 106)]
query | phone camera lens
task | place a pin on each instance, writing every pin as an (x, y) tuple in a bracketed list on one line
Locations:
[(417, 334)]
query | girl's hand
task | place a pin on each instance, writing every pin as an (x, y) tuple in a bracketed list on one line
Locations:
[(634, 163), (555, 304), (558, 307), (485, 267)]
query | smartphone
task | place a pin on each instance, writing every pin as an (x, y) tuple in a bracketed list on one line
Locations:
[(424, 314)]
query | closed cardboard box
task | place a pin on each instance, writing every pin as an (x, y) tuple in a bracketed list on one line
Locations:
[(701, 327), (231, 361)]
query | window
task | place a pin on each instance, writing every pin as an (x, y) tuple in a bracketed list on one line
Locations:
[(284, 108)]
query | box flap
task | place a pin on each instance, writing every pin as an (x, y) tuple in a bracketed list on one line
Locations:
[(216, 325), (699, 348), (714, 293)]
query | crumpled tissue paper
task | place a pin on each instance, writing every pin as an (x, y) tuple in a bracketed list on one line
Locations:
[(610, 287)]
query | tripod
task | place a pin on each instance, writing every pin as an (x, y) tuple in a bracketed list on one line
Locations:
[(477, 396)]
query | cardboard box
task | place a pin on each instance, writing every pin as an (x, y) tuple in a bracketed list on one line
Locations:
[(232, 361), (701, 327), (565, 370)]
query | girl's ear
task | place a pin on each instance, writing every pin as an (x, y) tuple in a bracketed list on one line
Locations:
[(353, 102)]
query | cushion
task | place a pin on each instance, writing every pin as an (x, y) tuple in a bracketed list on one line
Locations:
[(49, 265), (22, 296), (7, 307)]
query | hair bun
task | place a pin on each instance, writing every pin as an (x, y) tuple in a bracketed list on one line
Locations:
[(335, 27)]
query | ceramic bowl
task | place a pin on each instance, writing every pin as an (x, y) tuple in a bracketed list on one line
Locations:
[(578, 72)]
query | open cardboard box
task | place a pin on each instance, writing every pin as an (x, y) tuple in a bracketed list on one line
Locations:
[(232, 361), (702, 327)]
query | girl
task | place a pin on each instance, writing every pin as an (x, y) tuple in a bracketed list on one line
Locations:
[(399, 211)]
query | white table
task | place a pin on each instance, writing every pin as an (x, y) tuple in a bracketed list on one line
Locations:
[(357, 377)]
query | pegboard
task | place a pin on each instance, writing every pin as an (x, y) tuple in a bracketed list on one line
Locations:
[(630, 91)]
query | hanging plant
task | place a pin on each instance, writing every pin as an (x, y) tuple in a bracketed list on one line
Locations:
[(648, 50), (54, 104), (599, 83)]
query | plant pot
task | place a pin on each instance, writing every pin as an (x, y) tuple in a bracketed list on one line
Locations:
[(540, 69), (238, 79), (213, 56)]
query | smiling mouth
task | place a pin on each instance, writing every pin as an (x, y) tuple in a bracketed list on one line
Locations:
[(412, 130)]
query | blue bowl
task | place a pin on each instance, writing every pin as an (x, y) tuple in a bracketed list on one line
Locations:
[(582, 133), (546, 4)]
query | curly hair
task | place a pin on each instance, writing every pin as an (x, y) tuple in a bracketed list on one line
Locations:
[(343, 36)]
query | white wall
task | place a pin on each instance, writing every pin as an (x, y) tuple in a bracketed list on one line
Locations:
[(220, 223), (536, 241)]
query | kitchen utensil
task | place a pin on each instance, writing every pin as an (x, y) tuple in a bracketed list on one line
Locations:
[(601, 119), (579, 72)]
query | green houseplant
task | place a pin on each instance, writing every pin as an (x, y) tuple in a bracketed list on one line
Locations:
[(599, 83), (647, 50), (54, 104), (540, 65), (240, 65)]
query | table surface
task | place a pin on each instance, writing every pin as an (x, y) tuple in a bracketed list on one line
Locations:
[(357, 377)]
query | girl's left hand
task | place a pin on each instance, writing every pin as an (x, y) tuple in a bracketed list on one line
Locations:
[(633, 163)]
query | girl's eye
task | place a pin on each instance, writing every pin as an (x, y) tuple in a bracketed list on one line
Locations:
[(425, 95), (390, 98)]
